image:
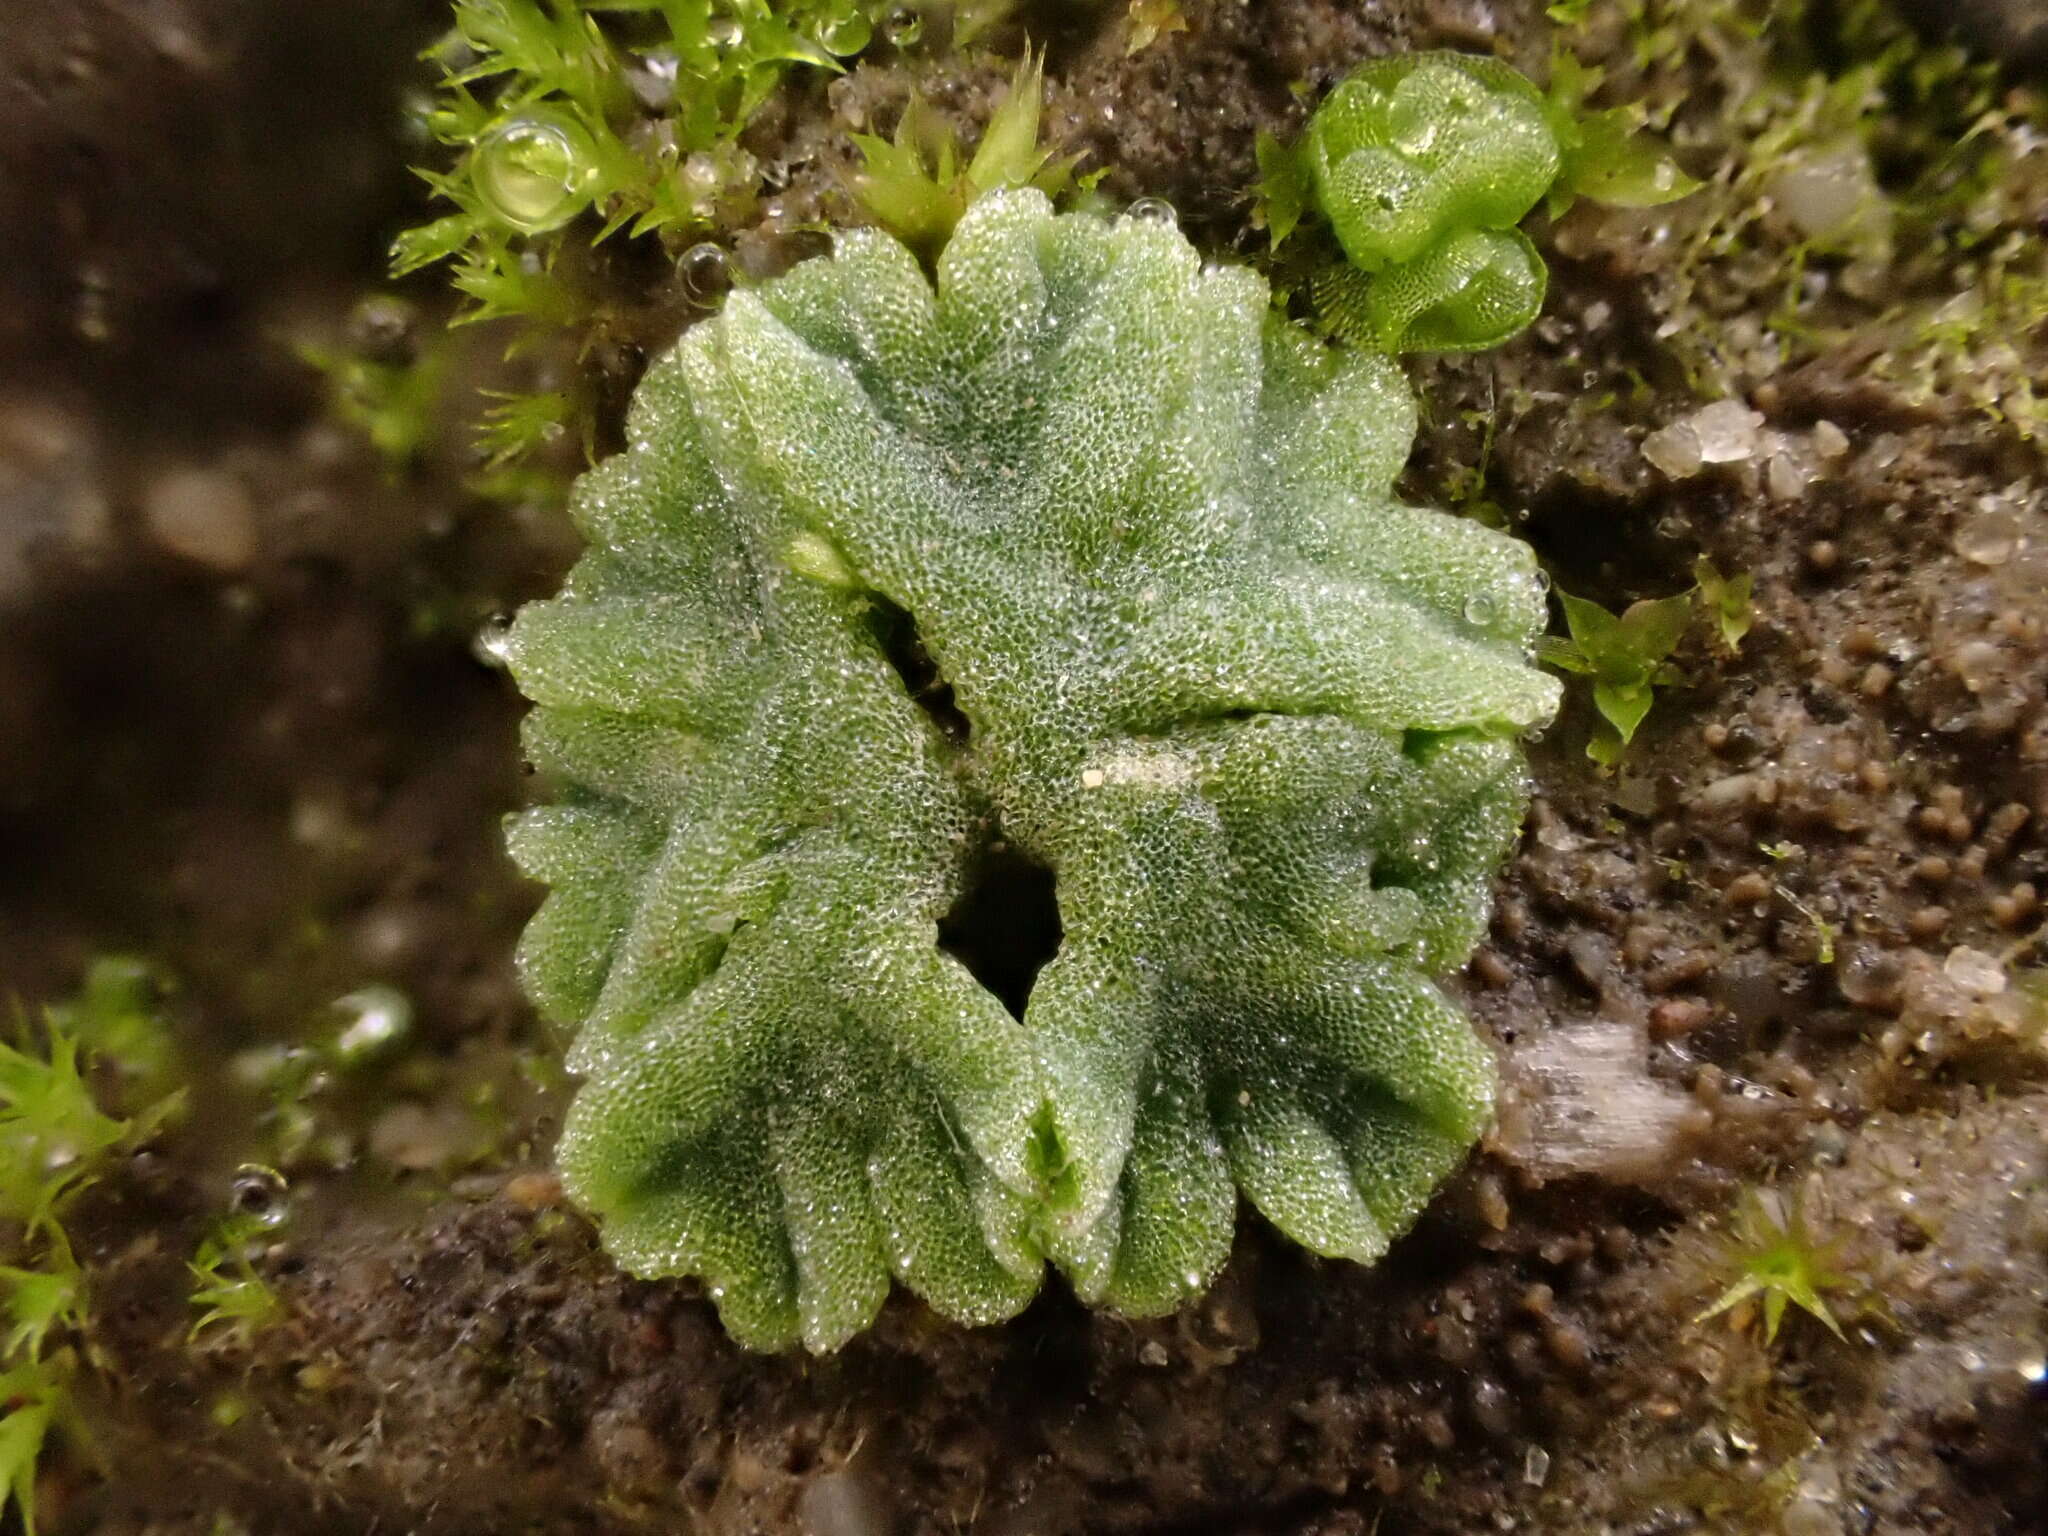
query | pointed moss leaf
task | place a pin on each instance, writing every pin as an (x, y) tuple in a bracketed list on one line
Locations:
[(1284, 190), (1074, 558), (1614, 161)]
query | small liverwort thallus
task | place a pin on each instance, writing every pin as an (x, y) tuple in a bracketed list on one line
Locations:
[(1423, 163), (1082, 556)]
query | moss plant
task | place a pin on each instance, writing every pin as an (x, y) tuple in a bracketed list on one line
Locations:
[(1627, 655), (1080, 568), (55, 1137), (627, 109), (234, 1299), (917, 184), (1779, 1263)]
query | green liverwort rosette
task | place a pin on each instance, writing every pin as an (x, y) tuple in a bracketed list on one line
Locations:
[(1079, 556)]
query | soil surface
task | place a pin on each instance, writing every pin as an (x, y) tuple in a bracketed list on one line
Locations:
[(1782, 966)]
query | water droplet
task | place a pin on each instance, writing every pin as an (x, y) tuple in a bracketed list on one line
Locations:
[(705, 274), (493, 643), (845, 34), (1153, 210), (1542, 580), (535, 171), (260, 1193), (377, 1017), (724, 31), (904, 26), (1482, 610)]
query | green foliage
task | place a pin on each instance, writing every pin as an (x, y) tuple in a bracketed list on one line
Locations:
[(1081, 561), (1625, 655), (54, 1136), (32, 1396), (1285, 192), (233, 1296), (520, 426), (1883, 183), (53, 1133), (390, 403), (914, 185), (625, 109), (1605, 154), (1423, 164), (1628, 655), (1410, 148), (1727, 600), (1152, 20), (117, 1017), (42, 1301), (1470, 291), (1778, 1261), (598, 117)]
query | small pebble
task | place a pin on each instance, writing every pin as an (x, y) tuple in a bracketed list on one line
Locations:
[(1829, 440), (1974, 971), (1932, 870), (1990, 537), (202, 515), (534, 1191), (1927, 922), (1677, 1016), (2011, 908), (1747, 890)]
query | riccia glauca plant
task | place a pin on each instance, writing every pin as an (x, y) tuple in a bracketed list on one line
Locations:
[(1077, 558), (1423, 164)]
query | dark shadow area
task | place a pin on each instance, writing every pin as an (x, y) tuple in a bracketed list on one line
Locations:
[(1006, 925), (896, 632)]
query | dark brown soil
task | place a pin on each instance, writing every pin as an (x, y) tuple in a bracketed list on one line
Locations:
[(1786, 945)]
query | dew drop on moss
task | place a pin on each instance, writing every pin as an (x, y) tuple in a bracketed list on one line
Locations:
[(375, 1018), (704, 273), (845, 34), (491, 642), (1153, 210), (904, 26), (260, 1193), (534, 172)]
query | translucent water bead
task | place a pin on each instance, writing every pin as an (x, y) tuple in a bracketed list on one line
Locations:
[(535, 171)]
